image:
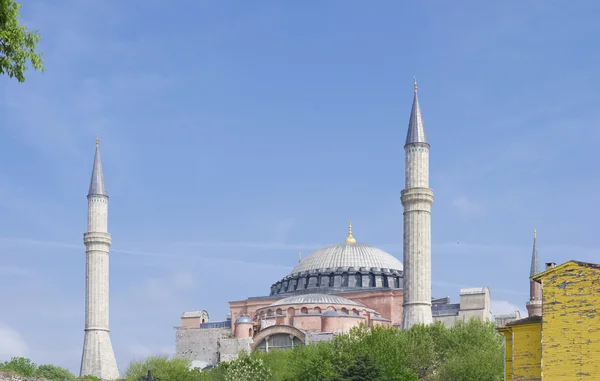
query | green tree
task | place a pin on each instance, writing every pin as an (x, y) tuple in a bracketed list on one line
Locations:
[(20, 365), (175, 369), (17, 44), (362, 368), (54, 373)]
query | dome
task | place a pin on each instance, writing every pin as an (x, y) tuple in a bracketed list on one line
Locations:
[(243, 319), (347, 255), (317, 299)]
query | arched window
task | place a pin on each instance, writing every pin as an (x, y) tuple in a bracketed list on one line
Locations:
[(385, 281), (250, 332), (306, 281), (371, 280), (304, 310), (344, 311), (397, 281), (345, 280), (331, 280), (269, 312), (317, 310), (291, 311), (279, 312), (358, 277), (355, 312)]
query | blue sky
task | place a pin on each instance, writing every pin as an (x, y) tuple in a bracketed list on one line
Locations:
[(236, 134)]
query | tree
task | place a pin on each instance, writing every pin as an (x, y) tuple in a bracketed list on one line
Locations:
[(54, 373), (362, 368), (20, 365), (17, 44)]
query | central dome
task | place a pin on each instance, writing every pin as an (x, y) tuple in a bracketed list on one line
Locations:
[(347, 255)]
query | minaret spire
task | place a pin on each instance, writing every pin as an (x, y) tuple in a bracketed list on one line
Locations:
[(534, 305), (98, 358), (416, 199), (416, 128), (97, 186)]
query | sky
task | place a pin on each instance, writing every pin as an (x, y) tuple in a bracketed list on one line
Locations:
[(236, 134)]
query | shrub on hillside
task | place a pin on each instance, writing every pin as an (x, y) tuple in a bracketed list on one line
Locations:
[(54, 373), (20, 365)]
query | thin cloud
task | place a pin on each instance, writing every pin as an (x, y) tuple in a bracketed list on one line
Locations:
[(467, 206)]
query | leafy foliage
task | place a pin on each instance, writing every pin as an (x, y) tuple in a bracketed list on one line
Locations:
[(27, 368), (20, 365), (17, 44), (54, 373), (469, 351)]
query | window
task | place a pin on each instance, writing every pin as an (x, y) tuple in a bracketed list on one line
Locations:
[(317, 310), (304, 310)]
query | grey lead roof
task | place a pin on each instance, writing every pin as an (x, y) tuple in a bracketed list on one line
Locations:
[(535, 260), (97, 186), (416, 128), (348, 255), (317, 299)]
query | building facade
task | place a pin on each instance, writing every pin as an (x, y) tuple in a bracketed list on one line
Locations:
[(341, 286), (564, 342)]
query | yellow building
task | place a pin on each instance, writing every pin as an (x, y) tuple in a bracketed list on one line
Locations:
[(564, 343)]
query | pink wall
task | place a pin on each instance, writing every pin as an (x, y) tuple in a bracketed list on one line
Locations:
[(308, 322), (190, 322)]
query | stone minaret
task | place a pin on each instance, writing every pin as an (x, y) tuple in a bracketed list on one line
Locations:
[(417, 199), (534, 305), (98, 357)]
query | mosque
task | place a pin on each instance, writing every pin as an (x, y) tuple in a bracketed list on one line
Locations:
[(341, 286)]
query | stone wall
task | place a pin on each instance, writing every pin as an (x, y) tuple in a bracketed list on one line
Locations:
[(200, 344)]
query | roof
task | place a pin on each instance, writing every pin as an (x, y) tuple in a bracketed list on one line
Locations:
[(416, 128), (97, 186), (543, 274), (347, 255), (194, 314), (527, 320), (317, 299), (243, 319), (473, 290)]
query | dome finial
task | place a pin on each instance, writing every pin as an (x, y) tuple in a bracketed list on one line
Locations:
[(416, 86), (350, 239), (97, 141)]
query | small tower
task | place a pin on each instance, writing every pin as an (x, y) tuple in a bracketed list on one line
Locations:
[(416, 199), (534, 305), (98, 358)]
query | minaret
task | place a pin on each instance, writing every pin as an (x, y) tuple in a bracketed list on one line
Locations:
[(534, 305), (98, 358), (417, 199)]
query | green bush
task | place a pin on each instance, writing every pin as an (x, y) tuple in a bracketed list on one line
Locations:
[(19, 365), (54, 373)]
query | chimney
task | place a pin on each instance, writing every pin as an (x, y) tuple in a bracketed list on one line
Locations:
[(550, 265)]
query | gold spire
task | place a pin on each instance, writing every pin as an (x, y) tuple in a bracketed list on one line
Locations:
[(416, 86), (97, 141), (350, 239)]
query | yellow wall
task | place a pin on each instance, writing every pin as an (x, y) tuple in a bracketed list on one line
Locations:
[(523, 352), (507, 333), (571, 323)]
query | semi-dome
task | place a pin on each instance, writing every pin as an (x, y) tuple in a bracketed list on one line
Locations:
[(317, 299), (244, 319)]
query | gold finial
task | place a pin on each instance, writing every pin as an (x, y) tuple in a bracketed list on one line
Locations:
[(416, 86), (350, 239), (534, 233), (97, 141)]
